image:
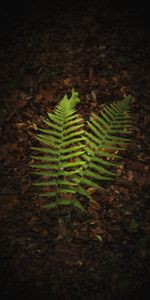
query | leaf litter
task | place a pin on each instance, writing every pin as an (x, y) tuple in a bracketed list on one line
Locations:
[(104, 253)]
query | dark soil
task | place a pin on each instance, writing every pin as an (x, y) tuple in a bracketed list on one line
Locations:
[(103, 254)]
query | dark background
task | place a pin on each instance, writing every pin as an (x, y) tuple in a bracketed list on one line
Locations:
[(11, 11)]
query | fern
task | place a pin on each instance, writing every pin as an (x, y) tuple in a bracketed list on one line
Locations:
[(73, 159), (104, 141)]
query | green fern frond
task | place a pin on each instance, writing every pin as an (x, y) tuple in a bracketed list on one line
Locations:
[(63, 146), (104, 141), (64, 202), (71, 159)]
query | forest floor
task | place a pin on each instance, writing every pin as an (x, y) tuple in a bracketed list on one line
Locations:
[(102, 254)]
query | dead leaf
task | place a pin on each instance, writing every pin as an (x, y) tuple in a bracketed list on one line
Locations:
[(44, 232), (91, 76), (103, 82), (114, 79), (67, 81), (33, 220), (47, 94), (110, 199), (91, 190), (38, 97), (25, 187), (130, 175)]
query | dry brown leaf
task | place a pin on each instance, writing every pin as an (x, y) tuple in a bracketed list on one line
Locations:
[(103, 82), (130, 175), (67, 81), (33, 220), (91, 76), (38, 97), (91, 190), (114, 79), (25, 187)]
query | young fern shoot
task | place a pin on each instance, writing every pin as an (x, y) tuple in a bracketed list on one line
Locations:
[(73, 159)]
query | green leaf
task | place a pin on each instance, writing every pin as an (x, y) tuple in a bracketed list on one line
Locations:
[(49, 194), (71, 149), (46, 174), (72, 128), (77, 204), (70, 156), (65, 190), (72, 164), (53, 126), (46, 158), (83, 192), (93, 138), (45, 166), (90, 183), (96, 131), (50, 205), (64, 202), (69, 136), (72, 141), (46, 150), (72, 122), (107, 154), (100, 169), (55, 182), (104, 162), (56, 119)]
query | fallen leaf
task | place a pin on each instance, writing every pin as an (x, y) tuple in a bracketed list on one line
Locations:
[(25, 187), (33, 220), (91, 190), (91, 75), (38, 98), (44, 232), (67, 81), (130, 175), (98, 237), (103, 82)]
